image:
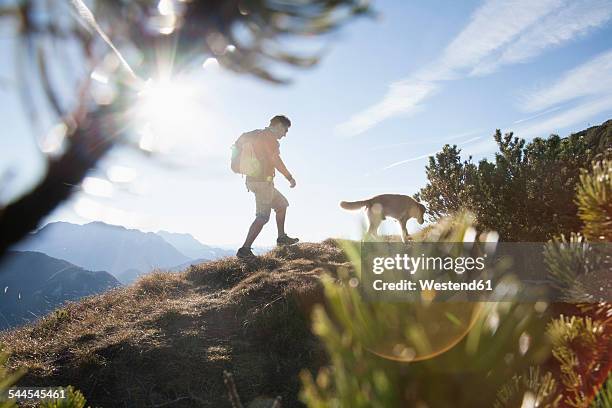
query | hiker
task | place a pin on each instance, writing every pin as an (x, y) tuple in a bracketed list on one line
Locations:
[(256, 154)]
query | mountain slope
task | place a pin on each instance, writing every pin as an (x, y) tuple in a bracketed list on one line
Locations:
[(99, 246), (193, 248), (598, 138), (33, 284), (169, 337)]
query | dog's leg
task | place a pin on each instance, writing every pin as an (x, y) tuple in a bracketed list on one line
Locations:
[(405, 234), (374, 218)]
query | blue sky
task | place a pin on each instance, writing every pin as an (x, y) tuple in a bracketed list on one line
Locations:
[(390, 92)]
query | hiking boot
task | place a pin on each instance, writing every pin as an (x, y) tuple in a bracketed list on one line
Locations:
[(245, 253), (286, 240)]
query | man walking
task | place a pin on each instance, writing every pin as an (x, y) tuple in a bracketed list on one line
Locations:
[(265, 146)]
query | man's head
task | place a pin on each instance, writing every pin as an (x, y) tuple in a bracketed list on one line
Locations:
[(279, 125)]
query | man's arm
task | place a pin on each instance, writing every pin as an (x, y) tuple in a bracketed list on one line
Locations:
[(274, 154), (280, 166)]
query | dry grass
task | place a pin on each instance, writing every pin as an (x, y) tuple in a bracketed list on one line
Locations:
[(169, 336)]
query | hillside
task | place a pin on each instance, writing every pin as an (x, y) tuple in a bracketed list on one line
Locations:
[(168, 337), (33, 284), (597, 138)]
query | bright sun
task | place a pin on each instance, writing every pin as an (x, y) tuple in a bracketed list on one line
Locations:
[(167, 111)]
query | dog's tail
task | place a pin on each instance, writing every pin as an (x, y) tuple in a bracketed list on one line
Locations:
[(354, 205)]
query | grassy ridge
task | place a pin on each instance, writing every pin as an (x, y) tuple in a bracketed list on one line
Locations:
[(169, 336)]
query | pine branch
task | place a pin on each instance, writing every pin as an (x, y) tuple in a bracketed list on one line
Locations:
[(87, 144)]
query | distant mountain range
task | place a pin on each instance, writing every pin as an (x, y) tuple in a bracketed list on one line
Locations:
[(32, 284), (99, 246), (193, 248), (125, 253), (54, 264)]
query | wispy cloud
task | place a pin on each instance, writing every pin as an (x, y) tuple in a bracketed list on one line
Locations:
[(564, 119), (416, 142), (403, 97), (547, 127), (551, 125), (570, 21), (494, 25), (399, 163), (592, 78), (537, 115), (499, 32), (425, 156), (567, 118)]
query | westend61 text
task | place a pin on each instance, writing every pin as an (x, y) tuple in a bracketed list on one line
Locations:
[(430, 284)]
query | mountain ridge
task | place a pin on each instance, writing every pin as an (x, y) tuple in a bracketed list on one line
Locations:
[(33, 284), (191, 247)]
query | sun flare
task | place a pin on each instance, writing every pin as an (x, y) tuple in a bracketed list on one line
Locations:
[(167, 111)]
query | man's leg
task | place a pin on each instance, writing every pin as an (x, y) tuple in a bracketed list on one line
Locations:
[(263, 199), (254, 231), (280, 220), (280, 204)]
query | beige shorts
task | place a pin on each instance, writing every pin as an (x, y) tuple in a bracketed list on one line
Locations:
[(267, 197)]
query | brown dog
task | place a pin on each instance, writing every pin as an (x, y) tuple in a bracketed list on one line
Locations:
[(400, 207)]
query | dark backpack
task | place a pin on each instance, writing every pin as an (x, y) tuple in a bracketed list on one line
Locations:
[(244, 158)]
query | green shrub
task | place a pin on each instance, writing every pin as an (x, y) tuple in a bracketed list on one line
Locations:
[(594, 199), (74, 399), (7, 380)]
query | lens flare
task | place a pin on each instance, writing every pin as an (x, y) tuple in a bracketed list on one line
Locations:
[(167, 112), (427, 332)]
